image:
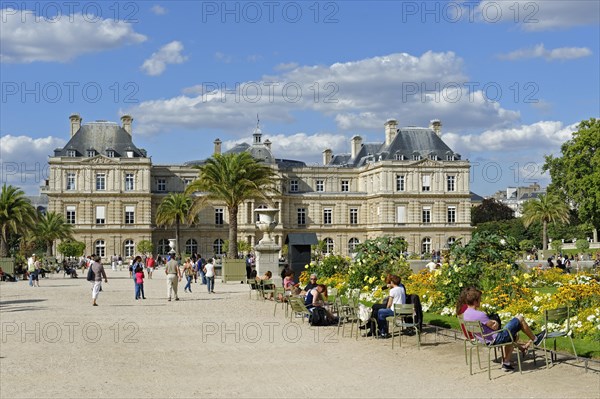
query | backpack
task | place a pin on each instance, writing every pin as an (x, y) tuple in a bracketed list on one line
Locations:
[(318, 317), (91, 275)]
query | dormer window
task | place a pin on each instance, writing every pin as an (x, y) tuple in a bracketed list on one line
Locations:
[(129, 153), (71, 153), (91, 153), (433, 157), (110, 153), (416, 157)]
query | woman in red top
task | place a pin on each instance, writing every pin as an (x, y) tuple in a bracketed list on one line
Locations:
[(139, 280)]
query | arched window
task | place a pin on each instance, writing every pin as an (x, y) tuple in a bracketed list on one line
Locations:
[(163, 247), (129, 247), (352, 244), (451, 240), (426, 245), (100, 248), (328, 245), (191, 246), (218, 246)]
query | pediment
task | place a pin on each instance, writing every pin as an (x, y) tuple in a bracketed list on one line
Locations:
[(100, 160)]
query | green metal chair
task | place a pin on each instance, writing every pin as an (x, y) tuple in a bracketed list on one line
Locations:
[(557, 316), (279, 296), (474, 330), (348, 314), (267, 287), (398, 322), (297, 307), (254, 286)]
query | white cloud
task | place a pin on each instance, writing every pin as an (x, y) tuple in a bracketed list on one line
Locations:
[(286, 66), (24, 160), (540, 136), (254, 58), (168, 54), (224, 58), (358, 94), (26, 38), (541, 14), (158, 10), (539, 51)]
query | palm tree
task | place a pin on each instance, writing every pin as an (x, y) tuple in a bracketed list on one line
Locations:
[(233, 178), (175, 209), (51, 227), (16, 215), (546, 208)]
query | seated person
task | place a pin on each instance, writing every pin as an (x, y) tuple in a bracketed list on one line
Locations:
[(267, 276), (288, 284), (316, 298), (312, 283), (376, 306), (1, 274), (516, 324), (397, 296)]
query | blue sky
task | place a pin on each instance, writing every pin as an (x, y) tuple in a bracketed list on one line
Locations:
[(508, 79)]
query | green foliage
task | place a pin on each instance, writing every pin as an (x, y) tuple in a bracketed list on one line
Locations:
[(582, 245), (71, 248), (329, 266), (526, 245), (490, 210), (50, 227), (513, 228), (243, 246), (17, 215), (556, 245), (545, 209), (175, 209), (486, 248), (576, 174), (376, 258), (145, 247)]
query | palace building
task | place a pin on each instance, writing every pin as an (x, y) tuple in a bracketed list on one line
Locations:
[(410, 185)]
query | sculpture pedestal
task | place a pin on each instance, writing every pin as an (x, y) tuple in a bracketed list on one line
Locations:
[(267, 258)]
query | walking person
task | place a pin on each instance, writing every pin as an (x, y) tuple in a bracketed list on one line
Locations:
[(99, 273), (31, 269), (135, 263), (188, 272), (36, 273), (139, 280), (150, 263), (173, 277), (114, 261), (209, 272), (200, 267)]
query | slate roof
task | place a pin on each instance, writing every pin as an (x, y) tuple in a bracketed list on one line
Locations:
[(101, 137), (409, 141)]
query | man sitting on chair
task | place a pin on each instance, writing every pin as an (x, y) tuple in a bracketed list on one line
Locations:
[(515, 325), (397, 296)]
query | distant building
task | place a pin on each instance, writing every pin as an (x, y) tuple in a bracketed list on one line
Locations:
[(411, 185), (515, 197)]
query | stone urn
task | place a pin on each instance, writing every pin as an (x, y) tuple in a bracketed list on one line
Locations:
[(266, 223), (173, 244)]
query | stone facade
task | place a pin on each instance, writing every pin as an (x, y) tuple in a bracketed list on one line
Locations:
[(411, 185)]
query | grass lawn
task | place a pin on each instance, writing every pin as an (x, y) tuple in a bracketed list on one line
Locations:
[(584, 347)]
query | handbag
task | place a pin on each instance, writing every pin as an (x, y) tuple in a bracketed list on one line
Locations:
[(91, 276)]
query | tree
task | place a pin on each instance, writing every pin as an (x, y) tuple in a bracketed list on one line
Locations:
[(576, 173), (50, 227), (70, 248), (232, 179), (242, 246), (556, 245), (545, 209), (175, 209), (16, 215), (490, 210), (145, 247), (582, 245)]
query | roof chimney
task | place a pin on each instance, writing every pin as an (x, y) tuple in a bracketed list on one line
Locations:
[(327, 156), (355, 143), (127, 120), (268, 143), (391, 128), (75, 123), (217, 144), (436, 126)]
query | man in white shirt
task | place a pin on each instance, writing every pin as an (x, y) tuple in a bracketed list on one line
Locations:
[(209, 271), (397, 296)]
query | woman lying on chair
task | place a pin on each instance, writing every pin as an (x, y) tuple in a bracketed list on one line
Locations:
[(515, 325)]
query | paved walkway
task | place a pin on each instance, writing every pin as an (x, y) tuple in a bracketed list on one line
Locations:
[(55, 344)]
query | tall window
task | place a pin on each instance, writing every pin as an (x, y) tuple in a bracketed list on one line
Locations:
[(218, 246), (450, 183), (129, 182), (71, 153), (353, 215), (293, 186), (401, 214), (130, 214), (327, 215), (400, 183), (451, 214), (219, 216), (163, 246), (71, 214), (161, 185), (426, 183), (352, 244), (100, 248), (191, 246), (320, 185), (100, 181), (71, 181), (110, 154), (328, 245), (345, 185), (426, 214), (100, 214), (426, 245), (301, 216), (91, 153), (129, 248)]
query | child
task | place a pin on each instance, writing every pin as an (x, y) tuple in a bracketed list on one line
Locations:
[(139, 279)]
